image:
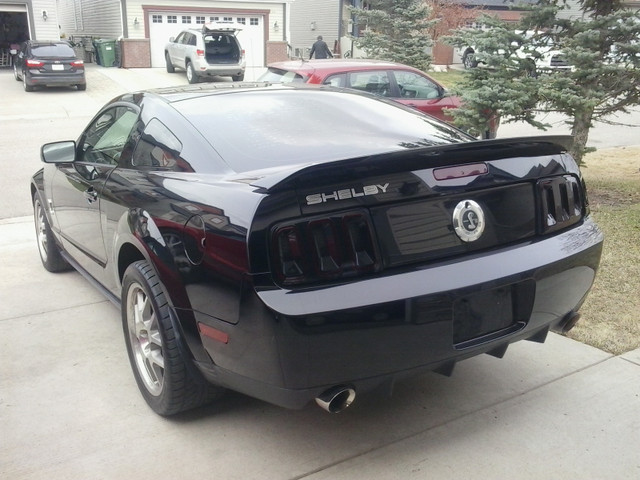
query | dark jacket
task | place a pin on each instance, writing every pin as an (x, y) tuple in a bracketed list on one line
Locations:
[(321, 50)]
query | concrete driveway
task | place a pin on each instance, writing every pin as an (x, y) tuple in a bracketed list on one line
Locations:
[(70, 409)]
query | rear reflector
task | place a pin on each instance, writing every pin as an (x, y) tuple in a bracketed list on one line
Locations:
[(213, 333)]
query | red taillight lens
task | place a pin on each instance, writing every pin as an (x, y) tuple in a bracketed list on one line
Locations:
[(77, 63), (200, 53), (34, 63), (324, 249)]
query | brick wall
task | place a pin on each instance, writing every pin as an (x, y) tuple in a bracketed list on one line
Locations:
[(136, 53), (276, 52)]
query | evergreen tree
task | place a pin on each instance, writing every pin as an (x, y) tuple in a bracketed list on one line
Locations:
[(395, 30), (504, 87), (604, 47)]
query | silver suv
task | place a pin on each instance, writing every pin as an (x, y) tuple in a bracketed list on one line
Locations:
[(206, 53)]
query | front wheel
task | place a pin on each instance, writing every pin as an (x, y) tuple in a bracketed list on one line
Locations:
[(157, 359), (52, 259), (192, 77), (170, 67)]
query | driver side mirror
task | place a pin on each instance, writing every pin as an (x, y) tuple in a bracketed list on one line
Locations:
[(172, 39), (58, 152)]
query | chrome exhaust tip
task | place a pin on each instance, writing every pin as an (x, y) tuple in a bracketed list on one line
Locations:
[(336, 399)]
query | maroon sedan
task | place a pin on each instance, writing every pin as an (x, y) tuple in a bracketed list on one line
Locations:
[(398, 82)]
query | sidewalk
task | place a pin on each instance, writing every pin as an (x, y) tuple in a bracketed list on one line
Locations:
[(69, 407)]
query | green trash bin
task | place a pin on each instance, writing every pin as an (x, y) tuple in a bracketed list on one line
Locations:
[(105, 52)]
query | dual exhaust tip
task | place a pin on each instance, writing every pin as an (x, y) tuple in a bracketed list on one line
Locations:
[(336, 399)]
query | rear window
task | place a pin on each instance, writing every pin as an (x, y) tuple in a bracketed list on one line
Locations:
[(262, 129), (277, 75), (61, 50)]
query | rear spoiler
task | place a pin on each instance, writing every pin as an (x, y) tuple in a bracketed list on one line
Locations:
[(412, 159)]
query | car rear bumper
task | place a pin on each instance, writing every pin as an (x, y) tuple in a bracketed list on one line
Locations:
[(33, 79), (289, 347)]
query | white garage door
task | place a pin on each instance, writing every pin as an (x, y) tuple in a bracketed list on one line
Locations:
[(163, 26)]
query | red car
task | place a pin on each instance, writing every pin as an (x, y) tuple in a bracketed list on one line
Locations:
[(398, 82)]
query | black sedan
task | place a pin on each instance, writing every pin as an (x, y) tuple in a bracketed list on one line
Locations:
[(48, 64), (296, 243)]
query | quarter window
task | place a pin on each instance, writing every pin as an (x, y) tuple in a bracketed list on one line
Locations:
[(159, 148)]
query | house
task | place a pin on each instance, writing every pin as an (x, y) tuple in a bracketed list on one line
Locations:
[(23, 20), (144, 27)]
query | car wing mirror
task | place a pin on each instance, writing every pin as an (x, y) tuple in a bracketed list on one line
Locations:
[(58, 152), (172, 39)]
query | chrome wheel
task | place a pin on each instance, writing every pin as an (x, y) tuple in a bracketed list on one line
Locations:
[(41, 231), (145, 338)]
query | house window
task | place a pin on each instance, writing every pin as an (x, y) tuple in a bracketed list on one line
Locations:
[(172, 19), (200, 20), (156, 18), (253, 21), (186, 19), (227, 19), (214, 19), (242, 20)]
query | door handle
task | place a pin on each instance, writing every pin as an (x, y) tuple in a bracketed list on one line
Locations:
[(91, 195)]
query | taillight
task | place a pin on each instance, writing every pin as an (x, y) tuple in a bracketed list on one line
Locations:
[(200, 53), (242, 54), (324, 249), (34, 63), (77, 63)]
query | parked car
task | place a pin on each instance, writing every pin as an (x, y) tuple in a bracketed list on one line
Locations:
[(296, 242), (48, 64), (395, 81), (207, 53)]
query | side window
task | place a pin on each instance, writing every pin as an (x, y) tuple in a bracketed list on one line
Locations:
[(376, 82), (180, 38), (158, 148), (339, 80), (192, 40), (412, 85), (106, 137)]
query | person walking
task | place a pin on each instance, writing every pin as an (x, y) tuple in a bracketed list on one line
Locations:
[(321, 49)]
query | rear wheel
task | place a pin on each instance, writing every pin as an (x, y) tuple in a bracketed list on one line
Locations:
[(170, 67), (159, 365), (27, 87), (469, 59), (16, 75), (192, 77), (82, 86), (238, 78), (50, 255)]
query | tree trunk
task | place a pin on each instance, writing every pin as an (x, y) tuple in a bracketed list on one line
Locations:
[(492, 127), (580, 132)]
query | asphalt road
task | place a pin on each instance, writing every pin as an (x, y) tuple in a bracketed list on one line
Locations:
[(70, 409)]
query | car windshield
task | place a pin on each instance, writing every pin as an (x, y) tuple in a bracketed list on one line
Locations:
[(277, 75), (60, 50), (256, 130)]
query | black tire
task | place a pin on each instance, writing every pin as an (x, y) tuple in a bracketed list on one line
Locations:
[(469, 59), (159, 365), (27, 87), (238, 78), (192, 76), (16, 75), (82, 86), (170, 67), (49, 251)]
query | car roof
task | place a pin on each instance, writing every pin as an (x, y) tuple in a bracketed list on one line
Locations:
[(337, 65)]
